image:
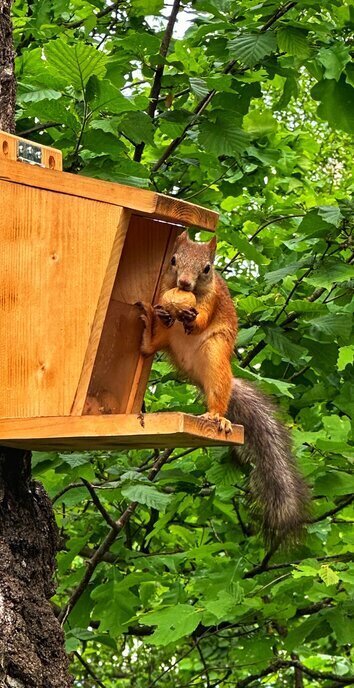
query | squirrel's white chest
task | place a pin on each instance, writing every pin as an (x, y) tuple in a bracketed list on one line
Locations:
[(185, 348)]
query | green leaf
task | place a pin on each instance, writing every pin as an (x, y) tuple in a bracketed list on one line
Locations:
[(223, 137), (105, 97), (334, 60), (336, 103), (146, 494), (335, 326), (345, 356), (137, 126), (246, 335), (141, 8), (221, 607), (199, 87), (260, 122), (332, 271), (291, 351), (328, 576), (250, 304), (249, 251), (251, 48), (275, 276), (75, 63), (330, 214), (172, 623), (293, 41), (115, 604), (342, 625), (37, 95), (76, 459)]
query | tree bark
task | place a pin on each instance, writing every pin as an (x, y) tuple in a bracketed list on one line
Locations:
[(32, 651), (31, 640), (7, 77)]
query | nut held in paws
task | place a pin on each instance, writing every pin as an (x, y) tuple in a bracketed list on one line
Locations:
[(177, 300)]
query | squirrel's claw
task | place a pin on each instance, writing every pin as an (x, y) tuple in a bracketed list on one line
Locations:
[(165, 317), (143, 307), (187, 315), (224, 425), (145, 312)]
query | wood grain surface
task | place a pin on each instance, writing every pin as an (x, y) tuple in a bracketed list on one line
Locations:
[(111, 431)]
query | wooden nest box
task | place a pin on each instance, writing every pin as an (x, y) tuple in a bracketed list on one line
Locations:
[(76, 254)]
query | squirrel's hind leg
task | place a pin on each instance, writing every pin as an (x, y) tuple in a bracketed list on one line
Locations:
[(217, 382)]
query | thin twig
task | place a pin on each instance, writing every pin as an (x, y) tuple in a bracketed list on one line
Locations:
[(203, 104), (347, 556), (206, 669), (107, 543), (88, 669), (285, 664), (99, 15), (346, 502), (39, 127), (316, 294), (98, 504), (157, 82), (260, 228)]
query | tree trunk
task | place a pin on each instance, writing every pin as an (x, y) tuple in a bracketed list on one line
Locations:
[(31, 641), (7, 78), (32, 651)]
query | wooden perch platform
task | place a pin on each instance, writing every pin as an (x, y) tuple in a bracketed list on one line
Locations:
[(76, 254), (130, 431)]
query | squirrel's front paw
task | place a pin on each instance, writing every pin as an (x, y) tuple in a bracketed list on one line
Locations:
[(164, 315), (145, 312), (187, 317)]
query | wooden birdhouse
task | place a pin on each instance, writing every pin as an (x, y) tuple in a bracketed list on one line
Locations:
[(76, 254)]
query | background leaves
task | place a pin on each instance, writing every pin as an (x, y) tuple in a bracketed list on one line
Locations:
[(246, 109)]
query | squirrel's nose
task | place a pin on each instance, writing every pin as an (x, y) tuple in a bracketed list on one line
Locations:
[(185, 285)]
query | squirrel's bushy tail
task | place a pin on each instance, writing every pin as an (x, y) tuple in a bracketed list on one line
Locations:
[(279, 494)]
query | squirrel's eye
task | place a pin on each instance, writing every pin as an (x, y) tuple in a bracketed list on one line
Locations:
[(173, 260), (206, 269)]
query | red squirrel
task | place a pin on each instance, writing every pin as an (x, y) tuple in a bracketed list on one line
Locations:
[(200, 341)]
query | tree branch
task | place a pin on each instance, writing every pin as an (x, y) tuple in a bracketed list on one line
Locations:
[(290, 318), (89, 670), (99, 15), (208, 98), (206, 669), (279, 13), (346, 502), (156, 85), (39, 127), (285, 664), (98, 504), (314, 608), (105, 545), (274, 567)]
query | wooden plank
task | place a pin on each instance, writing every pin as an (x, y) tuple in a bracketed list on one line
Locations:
[(184, 213), (111, 431), (117, 354), (53, 259), (145, 202), (101, 311), (118, 367), (51, 157)]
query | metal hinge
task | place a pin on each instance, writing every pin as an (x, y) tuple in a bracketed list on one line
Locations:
[(29, 152)]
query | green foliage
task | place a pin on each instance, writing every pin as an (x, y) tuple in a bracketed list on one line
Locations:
[(254, 118)]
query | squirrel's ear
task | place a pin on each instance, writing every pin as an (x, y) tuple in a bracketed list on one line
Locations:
[(212, 247), (182, 238)]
